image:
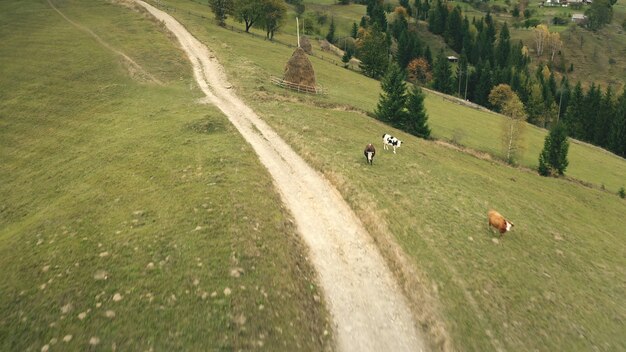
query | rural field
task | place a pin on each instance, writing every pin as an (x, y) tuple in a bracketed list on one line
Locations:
[(134, 217), (554, 283)]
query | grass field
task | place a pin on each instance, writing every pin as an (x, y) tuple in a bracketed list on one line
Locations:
[(132, 217), (555, 283)]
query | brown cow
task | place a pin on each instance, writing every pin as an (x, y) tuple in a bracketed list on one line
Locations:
[(499, 222), (369, 153)]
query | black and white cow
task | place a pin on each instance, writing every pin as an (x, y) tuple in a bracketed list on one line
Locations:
[(369, 153), (389, 140)]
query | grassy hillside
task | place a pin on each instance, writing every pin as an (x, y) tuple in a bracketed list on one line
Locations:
[(555, 283), (133, 217)]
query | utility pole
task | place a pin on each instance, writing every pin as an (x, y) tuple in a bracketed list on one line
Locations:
[(460, 77), (558, 116), (466, 79)]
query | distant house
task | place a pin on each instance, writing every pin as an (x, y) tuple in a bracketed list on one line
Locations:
[(579, 18), (453, 59)]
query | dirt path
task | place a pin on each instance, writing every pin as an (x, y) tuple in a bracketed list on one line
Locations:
[(369, 312)]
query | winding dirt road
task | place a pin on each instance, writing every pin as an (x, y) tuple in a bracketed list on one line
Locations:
[(369, 312)]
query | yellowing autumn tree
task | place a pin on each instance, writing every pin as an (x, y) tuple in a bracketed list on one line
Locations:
[(541, 34), (555, 44), (509, 104)]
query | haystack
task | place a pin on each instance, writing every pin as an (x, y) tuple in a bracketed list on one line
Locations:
[(305, 44), (299, 69)]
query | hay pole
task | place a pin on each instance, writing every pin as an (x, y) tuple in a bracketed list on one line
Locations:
[(298, 30)]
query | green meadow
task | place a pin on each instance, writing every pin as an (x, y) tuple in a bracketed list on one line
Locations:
[(134, 217), (556, 282)]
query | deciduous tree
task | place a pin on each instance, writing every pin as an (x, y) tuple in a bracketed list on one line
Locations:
[(419, 70), (503, 97), (541, 35), (221, 9), (248, 11)]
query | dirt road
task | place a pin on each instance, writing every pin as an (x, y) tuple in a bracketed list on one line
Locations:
[(369, 312)]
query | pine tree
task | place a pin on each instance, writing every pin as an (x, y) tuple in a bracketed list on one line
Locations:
[(503, 49), (373, 52), (617, 137), (575, 113), (437, 18), (604, 119), (454, 30), (392, 102), (355, 30), (405, 4), (428, 56), (417, 119), (442, 73), (484, 84), (553, 157), (331, 31), (564, 97), (593, 100)]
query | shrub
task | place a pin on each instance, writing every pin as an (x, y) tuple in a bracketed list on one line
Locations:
[(621, 193)]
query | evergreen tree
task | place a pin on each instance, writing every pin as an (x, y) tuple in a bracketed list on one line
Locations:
[(398, 26), (354, 31), (428, 56), (593, 100), (331, 31), (564, 97), (535, 106), (408, 48), (503, 49), (517, 56), (553, 157), (405, 4), (417, 118), (437, 18), (392, 103), (484, 84), (376, 13), (454, 30), (604, 119), (373, 52), (462, 73), (425, 9), (575, 113), (417, 7), (599, 13), (617, 137), (442, 73), (405, 51)]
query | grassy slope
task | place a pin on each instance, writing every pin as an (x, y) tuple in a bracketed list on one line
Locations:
[(100, 171), (555, 283)]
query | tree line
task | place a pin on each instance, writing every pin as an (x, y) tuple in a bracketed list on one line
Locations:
[(487, 58)]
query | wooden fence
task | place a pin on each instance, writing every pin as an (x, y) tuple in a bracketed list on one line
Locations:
[(297, 87)]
